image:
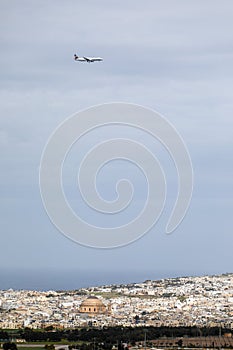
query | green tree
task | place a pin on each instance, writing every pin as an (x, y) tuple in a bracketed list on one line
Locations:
[(9, 346), (180, 343)]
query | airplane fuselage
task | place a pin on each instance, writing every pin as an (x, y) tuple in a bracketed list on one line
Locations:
[(87, 59)]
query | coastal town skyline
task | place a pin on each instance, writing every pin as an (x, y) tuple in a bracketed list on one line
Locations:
[(74, 280), (173, 302)]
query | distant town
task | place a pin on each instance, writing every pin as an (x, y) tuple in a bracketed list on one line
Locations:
[(205, 301)]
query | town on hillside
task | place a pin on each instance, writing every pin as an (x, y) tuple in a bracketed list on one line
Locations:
[(205, 301)]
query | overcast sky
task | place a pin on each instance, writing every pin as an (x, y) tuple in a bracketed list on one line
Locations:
[(174, 56)]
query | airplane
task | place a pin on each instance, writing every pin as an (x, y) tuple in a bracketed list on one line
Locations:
[(87, 59)]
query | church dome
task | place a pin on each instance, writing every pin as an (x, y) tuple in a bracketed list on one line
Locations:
[(92, 305)]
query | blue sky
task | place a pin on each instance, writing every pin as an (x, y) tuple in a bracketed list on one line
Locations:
[(172, 56)]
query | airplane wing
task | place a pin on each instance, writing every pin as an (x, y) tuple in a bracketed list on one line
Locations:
[(93, 59), (88, 59)]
